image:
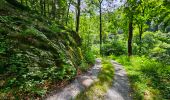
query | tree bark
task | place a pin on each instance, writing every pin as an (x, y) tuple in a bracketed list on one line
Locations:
[(26, 2), (100, 27), (54, 9), (67, 18), (78, 16), (48, 8), (130, 36), (140, 38), (44, 7), (41, 7), (21, 1)]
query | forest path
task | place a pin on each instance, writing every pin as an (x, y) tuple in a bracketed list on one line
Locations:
[(120, 89), (79, 84)]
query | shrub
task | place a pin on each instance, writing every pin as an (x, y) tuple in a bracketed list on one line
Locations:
[(84, 66), (161, 51), (89, 57), (148, 42), (115, 48)]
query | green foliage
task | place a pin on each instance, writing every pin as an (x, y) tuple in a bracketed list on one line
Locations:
[(3, 46), (33, 54), (95, 50), (89, 57), (148, 43), (31, 31), (55, 27), (83, 66), (149, 78), (123, 59), (107, 72), (36, 47), (154, 44), (115, 46), (161, 50)]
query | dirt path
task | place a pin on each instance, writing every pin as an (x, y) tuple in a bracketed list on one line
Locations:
[(120, 89), (79, 84)]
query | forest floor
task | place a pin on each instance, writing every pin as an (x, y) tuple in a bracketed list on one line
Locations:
[(118, 90)]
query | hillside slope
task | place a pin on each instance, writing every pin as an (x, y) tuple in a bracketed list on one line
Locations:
[(34, 53)]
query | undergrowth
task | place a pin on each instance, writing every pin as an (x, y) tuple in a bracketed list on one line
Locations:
[(149, 79), (36, 54)]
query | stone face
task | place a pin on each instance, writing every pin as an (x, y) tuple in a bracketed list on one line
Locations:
[(35, 51)]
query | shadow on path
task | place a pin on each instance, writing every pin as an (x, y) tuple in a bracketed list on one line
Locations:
[(79, 84), (120, 89)]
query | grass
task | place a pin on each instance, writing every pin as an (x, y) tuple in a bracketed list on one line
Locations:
[(149, 79), (99, 88)]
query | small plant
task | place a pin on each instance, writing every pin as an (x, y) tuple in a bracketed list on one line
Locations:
[(84, 66), (89, 57)]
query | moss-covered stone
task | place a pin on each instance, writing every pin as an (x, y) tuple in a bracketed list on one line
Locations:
[(34, 49)]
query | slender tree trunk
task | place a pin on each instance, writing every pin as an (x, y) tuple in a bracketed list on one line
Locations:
[(48, 8), (68, 12), (26, 2), (44, 7), (21, 1), (54, 9), (100, 27), (78, 15), (130, 36), (140, 38), (41, 7)]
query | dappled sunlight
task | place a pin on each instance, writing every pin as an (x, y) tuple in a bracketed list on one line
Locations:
[(96, 49), (98, 89), (146, 78)]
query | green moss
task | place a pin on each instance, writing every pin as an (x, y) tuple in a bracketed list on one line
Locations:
[(32, 51)]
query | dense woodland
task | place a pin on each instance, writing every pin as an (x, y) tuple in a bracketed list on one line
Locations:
[(44, 44)]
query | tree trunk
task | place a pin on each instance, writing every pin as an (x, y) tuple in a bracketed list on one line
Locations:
[(68, 12), (44, 7), (41, 7), (26, 2), (48, 8), (100, 28), (21, 1), (53, 11), (140, 38), (78, 16), (130, 36)]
